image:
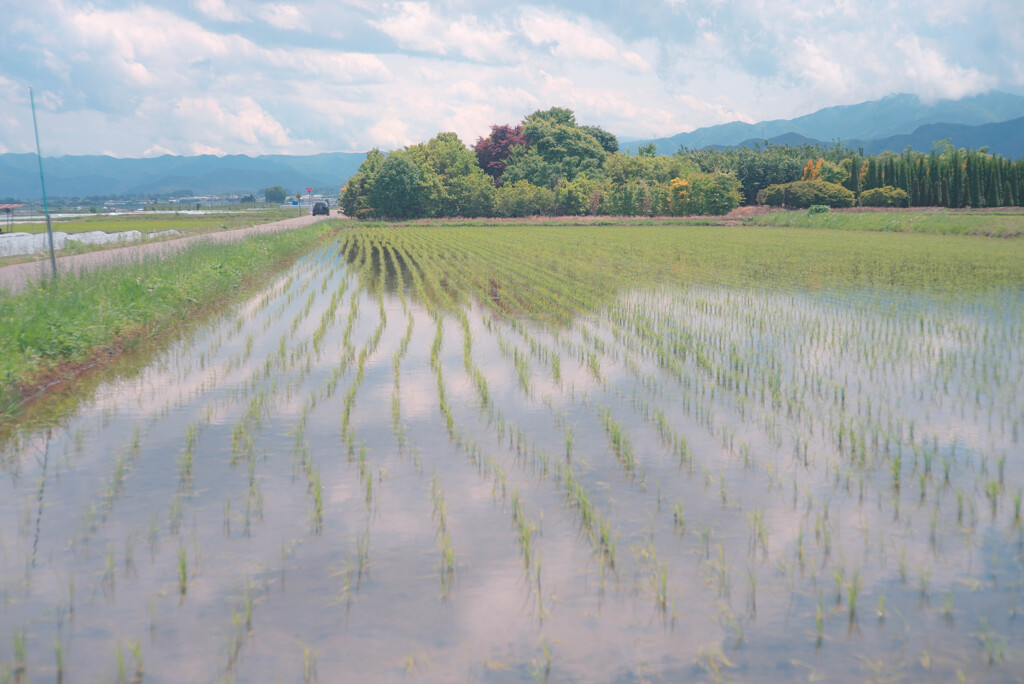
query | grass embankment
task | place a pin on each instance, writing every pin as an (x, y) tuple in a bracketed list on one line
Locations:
[(528, 269), (56, 329), (151, 222), (1005, 222)]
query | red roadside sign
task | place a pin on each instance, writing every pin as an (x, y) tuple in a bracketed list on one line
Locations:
[(309, 190)]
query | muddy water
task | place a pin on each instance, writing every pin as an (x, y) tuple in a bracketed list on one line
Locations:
[(341, 481)]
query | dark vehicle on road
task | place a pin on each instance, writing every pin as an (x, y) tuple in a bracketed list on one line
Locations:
[(321, 209)]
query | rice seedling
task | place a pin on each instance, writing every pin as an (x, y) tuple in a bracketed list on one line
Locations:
[(853, 593), (363, 554), (20, 652), (58, 650), (318, 501), (309, 673), (182, 570), (541, 668), (679, 518), (819, 620)]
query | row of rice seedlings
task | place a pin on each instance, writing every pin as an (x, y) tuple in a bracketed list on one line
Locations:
[(448, 561), (654, 573), (620, 442), (396, 392), (364, 353), (241, 619)]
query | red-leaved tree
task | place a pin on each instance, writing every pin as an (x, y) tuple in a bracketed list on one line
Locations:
[(493, 151)]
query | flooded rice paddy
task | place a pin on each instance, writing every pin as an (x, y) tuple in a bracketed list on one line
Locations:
[(377, 470)]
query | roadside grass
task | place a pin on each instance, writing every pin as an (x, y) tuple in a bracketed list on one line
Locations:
[(1005, 222), (54, 330)]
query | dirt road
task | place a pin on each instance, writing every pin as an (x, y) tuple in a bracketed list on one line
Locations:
[(14, 278)]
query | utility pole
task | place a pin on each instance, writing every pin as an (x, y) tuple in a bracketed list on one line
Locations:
[(42, 181)]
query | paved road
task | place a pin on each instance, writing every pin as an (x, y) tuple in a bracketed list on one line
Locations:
[(15, 278)]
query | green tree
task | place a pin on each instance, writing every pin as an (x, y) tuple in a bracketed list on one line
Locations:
[(451, 182), (396, 187), (714, 193), (275, 195), (577, 197), (355, 196), (885, 196), (560, 116), (609, 143), (803, 194), (563, 145), (471, 195), (526, 163), (522, 198)]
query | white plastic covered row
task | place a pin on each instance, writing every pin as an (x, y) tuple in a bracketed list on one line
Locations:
[(15, 244)]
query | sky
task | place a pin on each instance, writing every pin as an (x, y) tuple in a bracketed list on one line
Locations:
[(153, 77)]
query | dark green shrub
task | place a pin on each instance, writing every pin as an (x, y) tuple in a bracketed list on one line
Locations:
[(804, 194), (885, 196), (522, 198), (714, 193)]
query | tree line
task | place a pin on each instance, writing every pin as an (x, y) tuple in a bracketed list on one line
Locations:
[(945, 177), (549, 164)]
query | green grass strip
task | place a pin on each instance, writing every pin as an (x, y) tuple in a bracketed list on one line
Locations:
[(1004, 223), (146, 223)]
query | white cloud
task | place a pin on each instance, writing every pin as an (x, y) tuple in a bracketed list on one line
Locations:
[(935, 76), (718, 111), (814, 63), (568, 40), (157, 151), (199, 148), (237, 120), (635, 61), (479, 42), (285, 17), (219, 10), (390, 133), (414, 28), (418, 28)]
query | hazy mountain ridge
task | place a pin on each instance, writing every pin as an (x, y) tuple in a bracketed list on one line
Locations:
[(92, 175), (867, 122), (1005, 138)]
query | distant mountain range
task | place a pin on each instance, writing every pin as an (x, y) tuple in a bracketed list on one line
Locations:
[(868, 123), (994, 119), (86, 176), (1005, 138)]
